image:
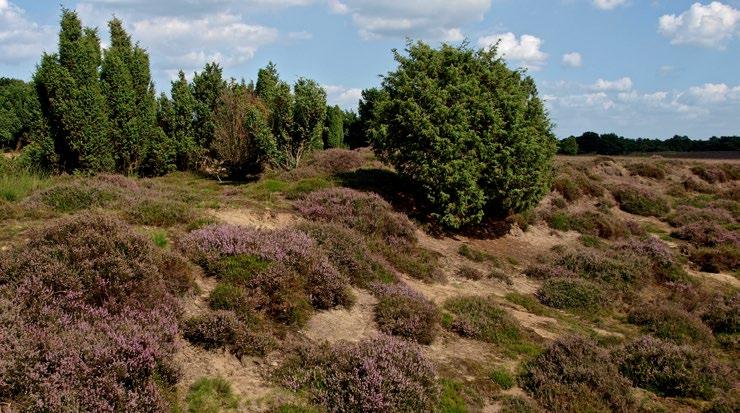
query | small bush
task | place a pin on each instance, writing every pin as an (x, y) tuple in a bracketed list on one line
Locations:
[(337, 161), (697, 185), (589, 223), (619, 272), (238, 269), (567, 188), (481, 319), (211, 395), (75, 196), (722, 313), (664, 263), (381, 374), (406, 313), (548, 271), (366, 213), (669, 369), (571, 294), (706, 234), (671, 323), (502, 378), (516, 404), (160, 212), (222, 329), (647, 170), (710, 174), (473, 254), (469, 273), (348, 252), (160, 239), (640, 202), (574, 375), (723, 257), (687, 214), (228, 297)]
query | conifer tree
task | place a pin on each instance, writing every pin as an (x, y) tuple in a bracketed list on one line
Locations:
[(309, 111), (183, 112), (334, 127), (276, 94), (207, 88)]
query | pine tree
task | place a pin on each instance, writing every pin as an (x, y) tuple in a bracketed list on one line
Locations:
[(207, 88), (334, 127), (72, 101), (183, 112)]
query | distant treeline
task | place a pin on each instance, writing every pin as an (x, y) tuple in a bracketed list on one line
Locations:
[(612, 144)]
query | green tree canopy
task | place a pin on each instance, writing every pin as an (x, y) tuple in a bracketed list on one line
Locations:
[(472, 133), (334, 127), (207, 88)]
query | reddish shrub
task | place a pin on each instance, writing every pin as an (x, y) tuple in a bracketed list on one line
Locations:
[(402, 311), (669, 369), (706, 234), (336, 161), (382, 374), (367, 213), (722, 313), (574, 375), (86, 320)]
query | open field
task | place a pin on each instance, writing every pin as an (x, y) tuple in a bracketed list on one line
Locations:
[(619, 292)]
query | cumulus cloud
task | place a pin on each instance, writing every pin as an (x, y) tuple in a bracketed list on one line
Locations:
[(714, 93), (573, 59), (608, 4), (21, 40), (712, 26), (428, 19), (621, 85), (346, 98), (525, 50)]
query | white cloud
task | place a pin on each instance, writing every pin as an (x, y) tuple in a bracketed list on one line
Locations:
[(573, 59), (346, 98), (608, 4), (182, 43), (598, 100), (714, 93), (712, 26), (620, 85), (428, 19), (524, 50), (21, 40)]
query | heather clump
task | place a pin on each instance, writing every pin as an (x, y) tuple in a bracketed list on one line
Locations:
[(86, 294), (664, 262), (380, 374), (669, 369), (575, 375), (712, 174), (404, 312), (620, 273), (223, 329), (76, 195), (571, 294), (297, 277), (670, 322), (722, 313), (481, 319), (159, 212), (712, 248), (706, 234), (594, 223), (547, 271), (647, 170), (366, 213), (640, 201), (687, 214), (337, 161)]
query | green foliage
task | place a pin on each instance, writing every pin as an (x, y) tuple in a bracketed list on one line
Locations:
[(452, 398), (671, 323), (207, 89), (160, 212), (471, 133), (474, 255), (181, 122), (334, 130), (568, 146), (20, 113), (16, 181), (238, 269), (571, 294), (482, 319), (76, 196), (227, 297), (640, 202), (211, 395), (241, 139), (72, 101), (160, 239), (503, 378)]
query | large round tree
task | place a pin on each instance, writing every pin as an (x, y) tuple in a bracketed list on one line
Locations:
[(470, 132)]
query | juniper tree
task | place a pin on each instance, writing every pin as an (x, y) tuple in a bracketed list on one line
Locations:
[(334, 127), (471, 133), (181, 128), (207, 88), (309, 111), (276, 94)]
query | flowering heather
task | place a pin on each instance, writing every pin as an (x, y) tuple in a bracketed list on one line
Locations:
[(547, 271), (575, 375), (404, 312), (337, 161), (367, 213), (686, 214), (707, 234), (664, 262), (722, 313), (671, 370), (86, 320), (381, 374), (223, 329), (670, 322)]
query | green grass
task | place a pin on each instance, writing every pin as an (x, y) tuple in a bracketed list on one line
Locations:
[(266, 189), (452, 399), (571, 294), (160, 213), (475, 255), (239, 269), (160, 238), (16, 186), (305, 186), (211, 395), (76, 196), (502, 378)]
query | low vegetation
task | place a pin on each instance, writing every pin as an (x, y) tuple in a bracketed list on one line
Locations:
[(403, 312)]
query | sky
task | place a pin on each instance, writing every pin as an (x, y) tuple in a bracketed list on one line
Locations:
[(638, 68)]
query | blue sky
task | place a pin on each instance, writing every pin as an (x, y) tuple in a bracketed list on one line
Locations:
[(651, 68)]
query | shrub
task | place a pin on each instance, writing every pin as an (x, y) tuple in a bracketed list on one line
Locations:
[(85, 295), (548, 271), (687, 214), (380, 374), (722, 313), (670, 322), (366, 213), (481, 319), (160, 212), (75, 196), (723, 257), (622, 272), (665, 265), (669, 369), (469, 273), (565, 185), (474, 254), (403, 312), (347, 251), (571, 294), (337, 161), (211, 395), (592, 223), (228, 297), (516, 404), (640, 202), (647, 170), (412, 260), (574, 375), (502, 378), (465, 161), (706, 234), (238, 269), (697, 185), (300, 273), (222, 329), (710, 174)]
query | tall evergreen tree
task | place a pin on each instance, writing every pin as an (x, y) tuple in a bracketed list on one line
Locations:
[(334, 127), (207, 88), (72, 101), (183, 112), (277, 95), (309, 112)]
